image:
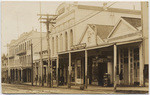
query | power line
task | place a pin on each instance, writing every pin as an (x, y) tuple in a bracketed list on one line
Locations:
[(80, 21)]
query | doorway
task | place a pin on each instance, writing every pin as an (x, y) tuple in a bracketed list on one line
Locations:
[(98, 71), (63, 73)]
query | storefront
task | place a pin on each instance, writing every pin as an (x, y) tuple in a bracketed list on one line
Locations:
[(119, 57), (128, 65)]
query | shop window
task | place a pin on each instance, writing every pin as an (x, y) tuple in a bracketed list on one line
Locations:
[(79, 69), (136, 65), (73, 72), (146, 70)]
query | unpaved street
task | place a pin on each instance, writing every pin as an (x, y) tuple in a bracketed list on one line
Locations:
[(20, 88)]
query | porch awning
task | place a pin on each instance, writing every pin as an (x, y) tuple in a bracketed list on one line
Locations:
[(129, 42), (102, 46), (87, 48)]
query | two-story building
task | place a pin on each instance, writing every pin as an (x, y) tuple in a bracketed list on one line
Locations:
[(20, 56), (73, 34)]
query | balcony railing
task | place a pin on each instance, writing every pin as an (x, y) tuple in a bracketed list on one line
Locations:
[(21, 52)]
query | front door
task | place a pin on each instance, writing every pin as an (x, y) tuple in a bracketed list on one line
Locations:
[(44, 74), (78, 69), (136, 66), (124, 65)]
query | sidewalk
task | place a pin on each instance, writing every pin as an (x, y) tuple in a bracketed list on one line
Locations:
[(130, 90)]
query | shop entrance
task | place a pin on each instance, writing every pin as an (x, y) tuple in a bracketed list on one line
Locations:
[(98, 71), (124, 66), (63, 72), (129, 64), (100, 66)]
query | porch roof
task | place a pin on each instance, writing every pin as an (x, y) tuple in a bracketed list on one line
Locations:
[(103, 46)]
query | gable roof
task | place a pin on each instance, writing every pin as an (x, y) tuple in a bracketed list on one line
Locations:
[(135, 22), (102, 30)]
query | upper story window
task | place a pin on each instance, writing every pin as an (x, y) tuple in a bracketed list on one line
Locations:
[(25, 45), (53, 45), (71, 37), (61, 42), (56, 43), (66, 42)]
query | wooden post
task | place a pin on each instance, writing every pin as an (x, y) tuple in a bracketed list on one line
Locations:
[(14, 74), (119, 56), (21, 75), (141, 64), (18, 76), (86, 66), (129, 66), (57, 70), (31, 64), (69, 68), (27, 74), (115, 63), (51, 73)]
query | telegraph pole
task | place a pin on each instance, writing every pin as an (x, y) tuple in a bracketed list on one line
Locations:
[(41, 61), (48, 20)]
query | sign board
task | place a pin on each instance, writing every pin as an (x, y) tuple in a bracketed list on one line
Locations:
[(77, 47)]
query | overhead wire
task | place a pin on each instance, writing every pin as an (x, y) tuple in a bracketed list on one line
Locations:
[(80, 21)]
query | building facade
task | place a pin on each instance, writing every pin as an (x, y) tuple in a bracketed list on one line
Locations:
[(79, 43), (20, 56)]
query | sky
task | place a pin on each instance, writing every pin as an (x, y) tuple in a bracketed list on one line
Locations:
[(21, 16)]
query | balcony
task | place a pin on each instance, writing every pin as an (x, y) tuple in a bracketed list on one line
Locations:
[(21, 52)]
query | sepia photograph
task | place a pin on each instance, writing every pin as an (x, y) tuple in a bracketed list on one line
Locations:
[(74, 47)]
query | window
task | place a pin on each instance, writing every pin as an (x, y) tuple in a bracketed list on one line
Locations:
[(25, 45), (53, 45), (56, 43), (61, 42), (66, 42), (71, 37)]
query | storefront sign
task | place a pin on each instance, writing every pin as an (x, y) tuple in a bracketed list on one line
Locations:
[(102, 60), (77, 47)]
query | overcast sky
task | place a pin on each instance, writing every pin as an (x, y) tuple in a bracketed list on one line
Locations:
[(21, 16)]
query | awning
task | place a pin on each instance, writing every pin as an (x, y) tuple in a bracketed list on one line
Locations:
[(129, 42)]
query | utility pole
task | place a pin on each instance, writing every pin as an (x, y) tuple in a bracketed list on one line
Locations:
[(32, 64), (48, 20), (41, 57)]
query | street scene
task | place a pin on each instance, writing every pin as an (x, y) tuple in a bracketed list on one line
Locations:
[(75, 47)]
